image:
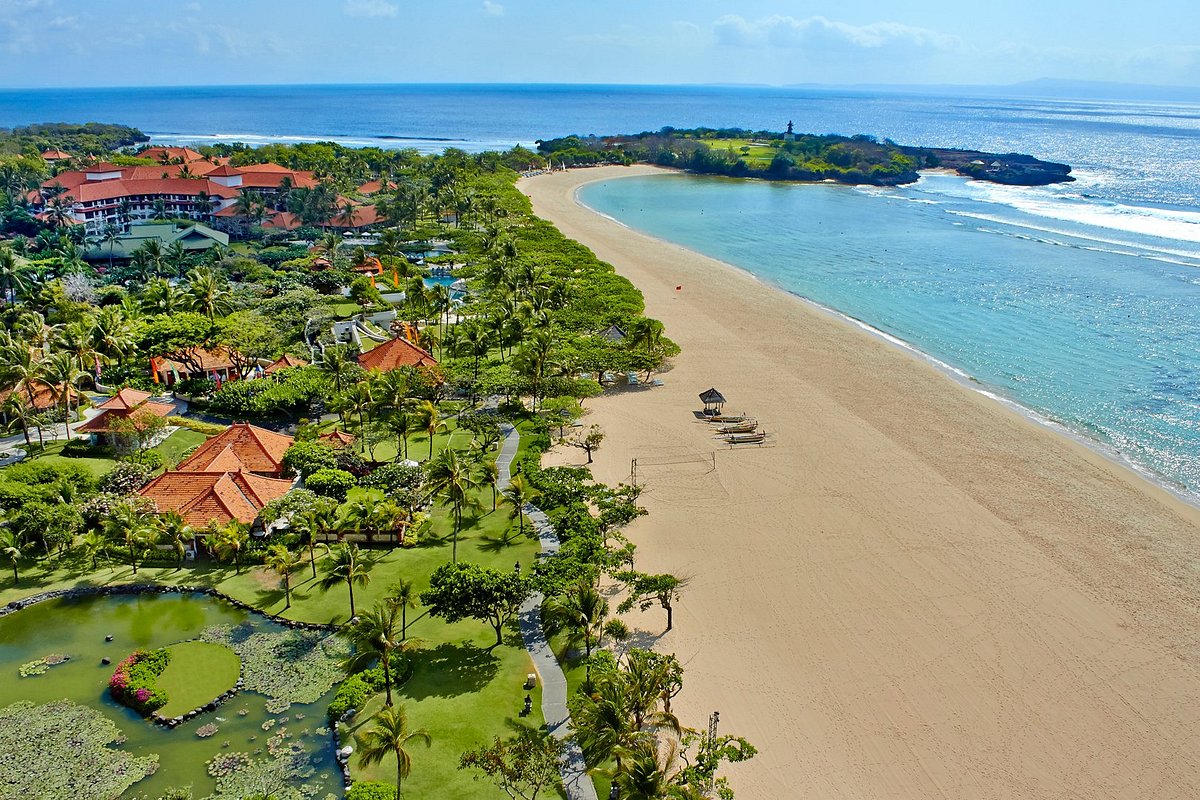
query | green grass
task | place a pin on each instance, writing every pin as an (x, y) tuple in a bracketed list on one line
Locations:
[(178, 445), (51, 455), (197, 673)]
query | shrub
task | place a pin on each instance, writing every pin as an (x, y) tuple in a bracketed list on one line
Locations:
[(133, 682), (333, 483), (149, 458), (207, 428), (371, 790), (395, 478), (82, 448), (196, 387), (293, 392), (125, 478), (305, 458), (352, 693)]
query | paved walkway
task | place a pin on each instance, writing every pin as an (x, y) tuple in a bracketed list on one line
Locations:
[(554, 684)]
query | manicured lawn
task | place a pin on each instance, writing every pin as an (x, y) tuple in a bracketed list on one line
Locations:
[(179, 445), (197, 674), (51, 455)]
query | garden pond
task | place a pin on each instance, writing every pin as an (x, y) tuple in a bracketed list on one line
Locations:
[(273, 737)]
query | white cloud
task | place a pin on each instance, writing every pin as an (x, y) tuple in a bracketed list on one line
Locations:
[(370, 8), (816, 32), (495, 9)]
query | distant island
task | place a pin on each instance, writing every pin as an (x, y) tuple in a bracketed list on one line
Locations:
[(790, 156)]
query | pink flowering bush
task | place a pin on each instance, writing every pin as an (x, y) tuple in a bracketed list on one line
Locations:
[(133, 681)]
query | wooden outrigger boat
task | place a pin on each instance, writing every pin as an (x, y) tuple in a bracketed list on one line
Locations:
[(726, 418), (749, 426), (745, 438)]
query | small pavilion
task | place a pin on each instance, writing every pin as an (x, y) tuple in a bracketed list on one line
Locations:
[(125, 412), (338, 440), (713, 401)]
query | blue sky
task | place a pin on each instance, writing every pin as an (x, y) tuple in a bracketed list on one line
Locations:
[(128, 43)]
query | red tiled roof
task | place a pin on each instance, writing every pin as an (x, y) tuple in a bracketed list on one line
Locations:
[(371, 187), (217, 359), (111, 190), (185, 153), (394, 354), (255, 449), (283, 220), (338, 439), (139, 417), (125, 400), (55, 155), (44, 395), (269, 167), (285, 361), (225, 171), (202, 498), (362, 216), (271, 180)]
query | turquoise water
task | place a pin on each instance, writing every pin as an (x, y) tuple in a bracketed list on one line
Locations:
[(1084, 313), (77, 628)]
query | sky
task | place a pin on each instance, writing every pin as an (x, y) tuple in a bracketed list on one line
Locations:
[(48, 43)]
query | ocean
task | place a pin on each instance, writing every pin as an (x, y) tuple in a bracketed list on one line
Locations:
[(1078, 302)]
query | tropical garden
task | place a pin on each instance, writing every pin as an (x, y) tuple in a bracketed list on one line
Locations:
[(407, 536)]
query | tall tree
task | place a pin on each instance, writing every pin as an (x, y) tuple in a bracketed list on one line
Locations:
[(283, 562), (390, 736), (450, 480), (518, 493), (344, 565), (376, 636), (469, 591)]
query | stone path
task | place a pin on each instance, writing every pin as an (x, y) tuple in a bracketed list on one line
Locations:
[(554, 684)]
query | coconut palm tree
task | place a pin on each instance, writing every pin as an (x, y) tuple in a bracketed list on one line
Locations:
[(12, 274), (93, 544), (12, 547), (404, 596), (133, 528), (62, 373), (376, 636), (315, 524), (283, 562), (488, 474), (429, 420), (230, 541), (646, 771), (518, 493), (581, 611), (390, 736), (22, 365), (17, 413), (207, 293), (176, 532), (450, 480), (345, 566)]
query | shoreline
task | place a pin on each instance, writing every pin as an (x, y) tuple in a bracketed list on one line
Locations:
[(914, 591), (961, 377)]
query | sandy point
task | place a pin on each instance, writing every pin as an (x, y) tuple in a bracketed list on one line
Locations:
[(913, 592)]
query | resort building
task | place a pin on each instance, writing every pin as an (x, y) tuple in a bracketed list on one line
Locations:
[(215, 364), (125, 413), (240, 448), (108, 194), (285, 361), (194, 238), (214, 498), (338, 440), (394, 354)]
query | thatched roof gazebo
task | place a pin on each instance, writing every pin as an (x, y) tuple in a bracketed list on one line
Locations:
[(713, 401)]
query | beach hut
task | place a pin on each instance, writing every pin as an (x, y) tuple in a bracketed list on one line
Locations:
[(713, 401)]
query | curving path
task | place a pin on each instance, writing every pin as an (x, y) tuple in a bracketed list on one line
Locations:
[(576, 780)]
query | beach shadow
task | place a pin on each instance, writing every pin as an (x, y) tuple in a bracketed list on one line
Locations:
[(449, 670), (643, 640)]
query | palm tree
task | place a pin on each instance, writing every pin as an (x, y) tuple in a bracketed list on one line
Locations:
[(63, 373), (21, 364), (645, 771), (229, 542), (177, 533), (17, 413), (429, 420), (344, 566), (581, 611), (404, 596), (207, 293), (450, 480), (76, 339), (315, 523), (390, 736), (283, 562), (12, 274), (377, 634), (93, 544), (134, 528), (13, 549), (478, 340), (518, 493), (340, 362)]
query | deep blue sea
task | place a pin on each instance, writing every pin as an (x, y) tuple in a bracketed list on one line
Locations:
[(1080, 302)]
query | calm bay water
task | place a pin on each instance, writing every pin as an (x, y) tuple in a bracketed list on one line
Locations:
[(1078, 301)]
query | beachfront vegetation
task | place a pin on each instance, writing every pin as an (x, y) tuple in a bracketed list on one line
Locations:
[(403, 521)]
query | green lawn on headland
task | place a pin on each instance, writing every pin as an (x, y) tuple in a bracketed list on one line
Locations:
[(197, 674)]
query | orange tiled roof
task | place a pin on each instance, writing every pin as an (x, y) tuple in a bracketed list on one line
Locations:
[(285, 361), (103, 423), (371, 187), (254, 449), (337, 439), (157, 153), (362, 216), (55, 155), (44, 395), (125, 400), (394, 354), (217, 358), (204, 498)]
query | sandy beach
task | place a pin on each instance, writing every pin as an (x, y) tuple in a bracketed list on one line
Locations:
[(913, 592)]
